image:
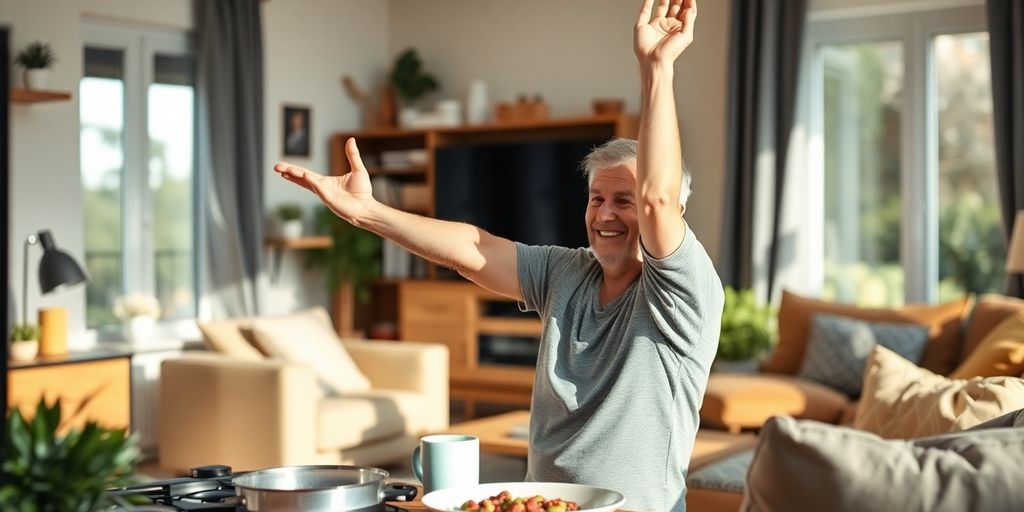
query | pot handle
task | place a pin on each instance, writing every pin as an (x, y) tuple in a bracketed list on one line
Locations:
[(399, 492)]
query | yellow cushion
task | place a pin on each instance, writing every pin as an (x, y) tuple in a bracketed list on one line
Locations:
[(903, 401), (1001, 352), (229, 338), (736, 401), (943, 321), (990, 311)]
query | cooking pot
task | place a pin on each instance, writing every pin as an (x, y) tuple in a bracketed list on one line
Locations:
[(318, 489)]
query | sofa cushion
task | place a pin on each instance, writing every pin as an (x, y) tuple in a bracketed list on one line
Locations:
[(1000, 352), (713, 445), (807, 465), (231, 338), (737, 401), (368, 416), (727, 474), (990, 311), (903, 401), (795, 313), (839, 347), (309, 339)]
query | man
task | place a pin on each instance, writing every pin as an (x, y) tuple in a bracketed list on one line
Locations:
[(630, 324)]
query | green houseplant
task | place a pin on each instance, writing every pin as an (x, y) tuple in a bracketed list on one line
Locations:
[(289, 215), (748, 327), (409, 79), (36, 58), (24, 342), (43, 470)]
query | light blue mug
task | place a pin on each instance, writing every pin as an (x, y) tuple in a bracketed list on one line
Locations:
[(444, 461)]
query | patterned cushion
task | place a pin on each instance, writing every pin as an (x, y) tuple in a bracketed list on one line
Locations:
[(902, 401), (726, 474), (839, 348)]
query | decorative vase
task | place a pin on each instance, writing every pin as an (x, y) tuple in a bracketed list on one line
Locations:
[(476, 103), (24, 350), (139, 329), (291, 229), (36, 79), (407, 117)]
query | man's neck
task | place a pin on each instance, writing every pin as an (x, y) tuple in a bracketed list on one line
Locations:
[(616, 279)]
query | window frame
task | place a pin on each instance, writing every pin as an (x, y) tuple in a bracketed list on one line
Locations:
[(915, 30), (140, 47)]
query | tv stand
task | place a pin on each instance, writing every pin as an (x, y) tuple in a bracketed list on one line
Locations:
[(458, 313)]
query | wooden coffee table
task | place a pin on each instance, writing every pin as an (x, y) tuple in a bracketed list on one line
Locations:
[(496, 433)]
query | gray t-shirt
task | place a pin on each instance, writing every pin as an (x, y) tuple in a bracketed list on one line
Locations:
[(618, 388)]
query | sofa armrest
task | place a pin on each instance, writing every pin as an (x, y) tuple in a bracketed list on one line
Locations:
[(246, 414), (408, 366)]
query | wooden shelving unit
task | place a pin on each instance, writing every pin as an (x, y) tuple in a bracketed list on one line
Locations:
[(29, 96)]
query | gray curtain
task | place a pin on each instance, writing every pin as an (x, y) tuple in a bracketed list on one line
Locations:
[(764, 63), (230, 103), (1006, 47)]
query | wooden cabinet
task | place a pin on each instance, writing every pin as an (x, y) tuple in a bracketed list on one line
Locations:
[(101, 388), (455, 314)]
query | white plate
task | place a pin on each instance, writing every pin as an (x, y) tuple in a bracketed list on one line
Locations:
[(590, 499)]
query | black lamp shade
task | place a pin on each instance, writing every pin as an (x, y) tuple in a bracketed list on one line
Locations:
[(57, 268)]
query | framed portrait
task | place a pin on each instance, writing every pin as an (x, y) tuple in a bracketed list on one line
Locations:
[(295, 130)]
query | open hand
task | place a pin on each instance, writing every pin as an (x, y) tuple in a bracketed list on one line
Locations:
[(660, 38), (347, 195)]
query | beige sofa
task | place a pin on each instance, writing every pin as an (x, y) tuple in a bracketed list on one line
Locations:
[(248, 411)]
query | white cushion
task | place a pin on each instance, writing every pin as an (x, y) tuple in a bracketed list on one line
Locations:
[(308, 338)]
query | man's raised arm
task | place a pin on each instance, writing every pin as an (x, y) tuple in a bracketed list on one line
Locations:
[(662, 32), (481, 257)]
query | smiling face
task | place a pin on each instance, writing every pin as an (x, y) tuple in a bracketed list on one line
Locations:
[(612, 223)]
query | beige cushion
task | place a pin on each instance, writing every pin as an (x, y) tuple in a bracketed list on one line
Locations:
[(1000, 352), (366, 417), (903, 401), (795, 312), (309, 339), (736, 401), (229, 338)]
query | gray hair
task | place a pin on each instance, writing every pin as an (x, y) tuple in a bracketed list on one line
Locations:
[(620, 151)]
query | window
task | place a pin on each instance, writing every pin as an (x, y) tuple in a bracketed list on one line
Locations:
[(902, 118), (137, 113)]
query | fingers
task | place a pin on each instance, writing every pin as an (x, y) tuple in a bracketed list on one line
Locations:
[(645, 13), (688, 12), (298, 175), (355, 162), (674, 8), (662, 9)]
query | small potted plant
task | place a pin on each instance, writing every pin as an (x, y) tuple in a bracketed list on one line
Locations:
[(139, 312), (748, 329), (289, 216), (24, 342), (36, 58), (411, 83)]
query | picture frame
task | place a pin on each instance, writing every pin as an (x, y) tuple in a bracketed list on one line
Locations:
[(295, 130)]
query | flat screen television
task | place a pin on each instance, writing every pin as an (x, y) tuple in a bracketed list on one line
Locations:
[(529, 192)]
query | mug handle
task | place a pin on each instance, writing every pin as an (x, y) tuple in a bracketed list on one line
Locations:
[(417, 464)]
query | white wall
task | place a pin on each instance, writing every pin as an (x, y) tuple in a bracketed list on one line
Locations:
[(308, 45), (571, 52)]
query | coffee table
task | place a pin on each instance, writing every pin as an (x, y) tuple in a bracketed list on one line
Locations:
[(496, 436)]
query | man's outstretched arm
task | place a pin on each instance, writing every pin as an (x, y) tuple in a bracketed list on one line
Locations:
[(481, 257), (662, 32)]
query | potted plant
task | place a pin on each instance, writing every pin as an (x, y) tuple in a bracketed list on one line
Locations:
[(411, 83), (139, 312), (36, 58), (24, 342), (351, 262), (289, 217), (44, 469), (748, 329)]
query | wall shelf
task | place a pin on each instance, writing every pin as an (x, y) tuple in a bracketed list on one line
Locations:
[(28, 96), (301, 243)]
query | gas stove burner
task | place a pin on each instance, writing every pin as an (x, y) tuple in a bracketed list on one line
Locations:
[(208, 489)]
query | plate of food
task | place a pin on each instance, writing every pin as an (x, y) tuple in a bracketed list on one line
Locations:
[(525, 497)]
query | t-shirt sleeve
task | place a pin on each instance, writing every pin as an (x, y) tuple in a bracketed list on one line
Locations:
[(685, 295), (536, 264)]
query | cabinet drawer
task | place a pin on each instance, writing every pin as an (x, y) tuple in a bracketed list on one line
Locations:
[(454, 336), (102, 386), (436, 306)]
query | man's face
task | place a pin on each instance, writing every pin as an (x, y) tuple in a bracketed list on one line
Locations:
[(612, 223)]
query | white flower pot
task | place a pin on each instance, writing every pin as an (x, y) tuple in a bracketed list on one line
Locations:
[(24, 350), (291, 229), (36, 79), (408, 117), (138, 329)]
